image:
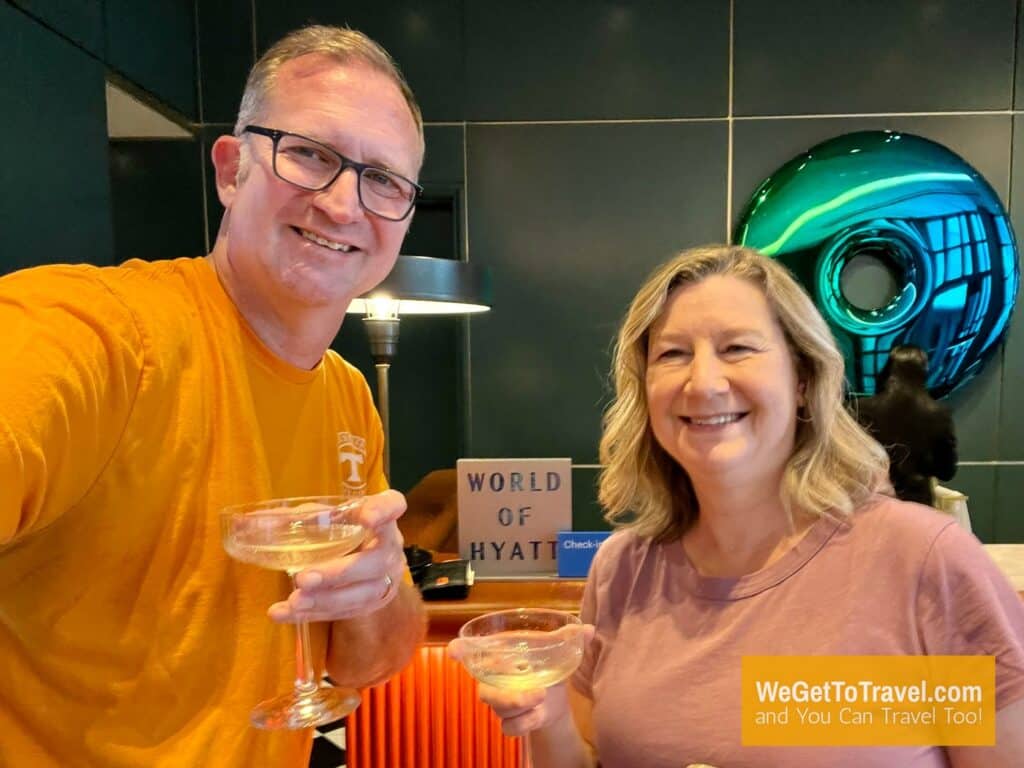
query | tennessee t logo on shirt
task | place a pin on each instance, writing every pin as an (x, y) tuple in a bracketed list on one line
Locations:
[(352, 455)]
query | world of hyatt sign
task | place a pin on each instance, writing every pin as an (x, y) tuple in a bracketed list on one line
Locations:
[(510, 513)]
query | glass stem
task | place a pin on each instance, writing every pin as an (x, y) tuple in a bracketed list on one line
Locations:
[(304, 682), (527, 763)]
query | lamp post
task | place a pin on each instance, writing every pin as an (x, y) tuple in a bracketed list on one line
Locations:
[(417, 285)]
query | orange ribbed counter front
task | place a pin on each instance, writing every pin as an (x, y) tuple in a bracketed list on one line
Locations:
[(429, 716)]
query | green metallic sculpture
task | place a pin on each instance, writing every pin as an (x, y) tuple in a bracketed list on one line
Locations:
[(919, 212)]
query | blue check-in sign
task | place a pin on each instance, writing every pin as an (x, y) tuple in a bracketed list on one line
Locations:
[(576, 549)]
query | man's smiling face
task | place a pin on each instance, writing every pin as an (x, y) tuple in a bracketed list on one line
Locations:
[(293, 247)]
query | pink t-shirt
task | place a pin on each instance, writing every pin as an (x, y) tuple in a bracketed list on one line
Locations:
[(663, 670)]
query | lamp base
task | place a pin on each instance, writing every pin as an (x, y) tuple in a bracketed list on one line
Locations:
[(383, 334)]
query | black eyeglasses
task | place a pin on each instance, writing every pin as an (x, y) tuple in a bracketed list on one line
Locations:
[(314, 166)]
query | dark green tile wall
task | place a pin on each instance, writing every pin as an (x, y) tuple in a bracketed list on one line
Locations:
[(226, 53), (81, 21), (587, 514), (157, 192), (1008, 523), (581, 60), (55, 206), (1018, 80), (838, 57), (1011, 428), (444, 163), (153, 44)]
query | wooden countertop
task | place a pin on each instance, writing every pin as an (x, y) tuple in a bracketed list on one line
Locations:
[(446, 616)]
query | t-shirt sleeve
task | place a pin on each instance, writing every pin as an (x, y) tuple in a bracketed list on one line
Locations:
[(582, 679), (70, 366), (967, 607), (596, 609)]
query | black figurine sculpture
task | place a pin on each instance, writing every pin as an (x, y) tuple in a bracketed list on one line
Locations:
[(915, 429)]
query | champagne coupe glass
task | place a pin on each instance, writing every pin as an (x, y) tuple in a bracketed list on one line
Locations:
[(290, 535), (522, 650)]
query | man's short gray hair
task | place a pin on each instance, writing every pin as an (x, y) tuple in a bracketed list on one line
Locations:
[(339, 43)]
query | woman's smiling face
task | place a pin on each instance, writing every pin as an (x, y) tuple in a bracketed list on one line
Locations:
[(722, 384)]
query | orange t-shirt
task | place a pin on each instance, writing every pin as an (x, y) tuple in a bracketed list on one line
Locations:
[(135, 403)]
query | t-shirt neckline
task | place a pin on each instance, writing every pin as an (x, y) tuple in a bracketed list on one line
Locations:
[(737, 588), (253, 343)]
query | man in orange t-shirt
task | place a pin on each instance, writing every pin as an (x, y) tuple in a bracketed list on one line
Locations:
[(137, 401)]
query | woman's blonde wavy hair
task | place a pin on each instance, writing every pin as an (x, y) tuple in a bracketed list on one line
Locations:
[(835, 464)]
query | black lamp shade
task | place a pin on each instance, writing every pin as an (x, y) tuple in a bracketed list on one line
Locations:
[(426, 285)]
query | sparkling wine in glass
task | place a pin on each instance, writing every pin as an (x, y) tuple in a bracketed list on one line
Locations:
[(522, 650), (291, 535)]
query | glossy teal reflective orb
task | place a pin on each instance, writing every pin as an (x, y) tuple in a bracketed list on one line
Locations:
[(898, 241)]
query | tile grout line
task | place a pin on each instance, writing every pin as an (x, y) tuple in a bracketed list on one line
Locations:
[(718, 119), (199, 62), (1002, 347), (202, 137), (729, 127), (738, 118), (467, 320), (844, 115), (467, 346), (465, 191), (252, 6), (993, 463)]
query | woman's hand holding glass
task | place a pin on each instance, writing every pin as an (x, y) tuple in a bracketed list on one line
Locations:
[(523, 711), (525, 700)]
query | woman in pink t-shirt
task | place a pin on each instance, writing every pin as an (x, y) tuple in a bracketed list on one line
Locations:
[(752, 521)]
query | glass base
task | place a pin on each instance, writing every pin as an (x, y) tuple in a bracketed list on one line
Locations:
[(294, 711)]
